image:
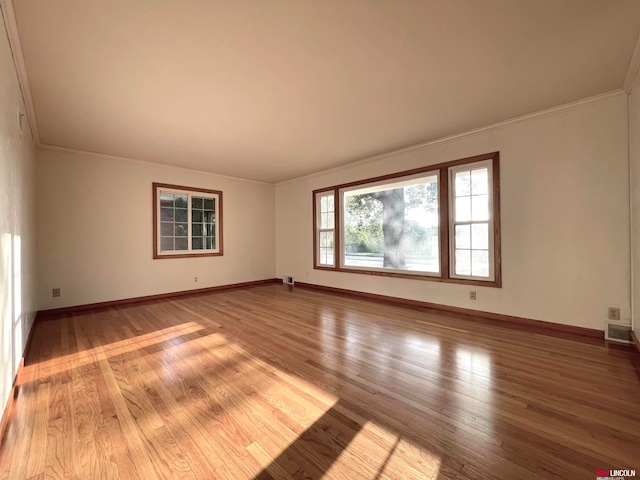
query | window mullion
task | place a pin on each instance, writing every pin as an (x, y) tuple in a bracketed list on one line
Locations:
[(444, 225), (188, 223), (337, 249)]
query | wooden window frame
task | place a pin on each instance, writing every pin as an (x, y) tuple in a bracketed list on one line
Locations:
[(453, 223), (316, 230), (319, 230), (444, 229), (157, 188)]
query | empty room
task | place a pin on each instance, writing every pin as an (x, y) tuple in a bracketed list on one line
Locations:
[(291, 239)]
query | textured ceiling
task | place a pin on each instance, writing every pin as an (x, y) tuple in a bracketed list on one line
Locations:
[(272, 90)]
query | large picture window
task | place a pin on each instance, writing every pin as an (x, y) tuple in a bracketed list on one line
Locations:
[(186, 221), (436, 223), (392, 225)]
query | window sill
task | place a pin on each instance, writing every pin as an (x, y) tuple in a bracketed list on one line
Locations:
[(187, 255), (429, 278)]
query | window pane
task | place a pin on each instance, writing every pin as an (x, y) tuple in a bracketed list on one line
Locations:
[(326, 204), (463, 209), (181, 214), (480, 263), (182, 243), (480, 181), (166, 214), (166, 200), (330, 220), (166, 244), (326, 246), (166, 229), (209, 216), (197, 243), (196, 215), (480, 207), (324, 221), (196, 202), (463, 184), (181, 230), (463, 262), (326, 239), (326, 256), (209, 204), (196, 230), (181, 201), (463, 236), (393, 228), (210, 243), (479, 236)]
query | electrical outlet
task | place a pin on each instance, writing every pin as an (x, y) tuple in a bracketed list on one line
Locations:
[(613, 313), (472, 294), (55, 292), (195, 279)]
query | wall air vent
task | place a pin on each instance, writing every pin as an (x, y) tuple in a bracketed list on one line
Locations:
[(288, 280), (617, 332)]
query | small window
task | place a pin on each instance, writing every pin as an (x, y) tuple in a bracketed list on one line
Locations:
[(186, 221), (326, 224), (472, 221)]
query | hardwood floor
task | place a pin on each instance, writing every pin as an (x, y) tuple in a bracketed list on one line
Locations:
[(273, 382)]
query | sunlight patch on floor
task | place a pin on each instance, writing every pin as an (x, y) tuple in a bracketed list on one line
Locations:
[(85, 357), (381, 454)]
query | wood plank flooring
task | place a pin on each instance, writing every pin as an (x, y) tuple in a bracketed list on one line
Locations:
[(278, 383)]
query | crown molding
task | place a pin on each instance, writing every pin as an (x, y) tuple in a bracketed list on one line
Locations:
[(549, 111), (634, 67), (11, 26), (493, 126), (106, 156)]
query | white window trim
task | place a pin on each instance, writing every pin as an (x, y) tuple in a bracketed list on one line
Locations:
[(159, 189), (488, 164), (320, 230)]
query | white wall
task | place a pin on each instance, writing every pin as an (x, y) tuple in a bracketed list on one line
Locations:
[(17, 224), (565, 218), (95, 230)]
